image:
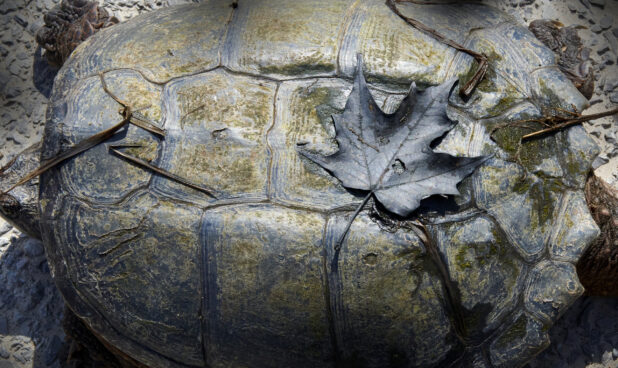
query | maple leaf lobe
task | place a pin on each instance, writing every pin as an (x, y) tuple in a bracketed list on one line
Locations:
[(390, 154)]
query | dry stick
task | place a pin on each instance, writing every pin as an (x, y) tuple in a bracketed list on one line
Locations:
[(158, 170), (482, 60), (143, 122), (8, 165), (128, 117), (570, 122), (134, 116), (76, 149), (467, 89)]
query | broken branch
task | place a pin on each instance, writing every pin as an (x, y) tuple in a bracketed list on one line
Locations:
[(75, 150), (128, 116), (480, 58), (138, 161), (569, 123)]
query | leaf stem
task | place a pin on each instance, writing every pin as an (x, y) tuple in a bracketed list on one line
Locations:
[(347, 228), (339, 243)]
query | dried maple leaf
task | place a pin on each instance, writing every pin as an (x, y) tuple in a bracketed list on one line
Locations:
[(390, 154)]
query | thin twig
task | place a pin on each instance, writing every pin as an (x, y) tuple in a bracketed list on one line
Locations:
[(467, 89), (432, 32), (569, 123), (482, 60), (114, 149), (143, 122), (75, 150), (8, 165), (128, 116)]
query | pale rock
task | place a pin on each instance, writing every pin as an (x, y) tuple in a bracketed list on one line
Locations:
[(607, 21)]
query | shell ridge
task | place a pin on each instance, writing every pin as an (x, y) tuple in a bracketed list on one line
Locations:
[(348, 18), (270, 150)]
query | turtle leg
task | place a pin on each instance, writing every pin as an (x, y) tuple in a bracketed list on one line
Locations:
[(20, 208)]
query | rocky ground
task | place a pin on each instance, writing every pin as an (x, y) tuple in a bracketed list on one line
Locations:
[(31, 308)]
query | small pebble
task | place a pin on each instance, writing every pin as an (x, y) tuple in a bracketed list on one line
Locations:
[(15, 68), (599, 3), (611, 40), (609, 58), (611, 83), (606, 21), (599, 161), (11, 91), (4, 227), (4, 353), (7, 6), (33, 27), (21, 20), (603, 49), (23, 355)]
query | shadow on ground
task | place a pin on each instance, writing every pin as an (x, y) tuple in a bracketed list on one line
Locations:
[(42, 73), (586, 334), (31, 307)]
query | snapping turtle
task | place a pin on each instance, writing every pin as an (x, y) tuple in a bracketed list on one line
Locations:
[(175, 277)]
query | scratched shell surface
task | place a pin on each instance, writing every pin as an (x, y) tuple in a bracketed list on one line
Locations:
[(177, 278)]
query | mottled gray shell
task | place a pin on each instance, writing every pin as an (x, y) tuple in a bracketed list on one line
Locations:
[(176, 278)]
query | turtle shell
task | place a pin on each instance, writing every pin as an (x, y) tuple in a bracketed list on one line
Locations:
[(176, 278)]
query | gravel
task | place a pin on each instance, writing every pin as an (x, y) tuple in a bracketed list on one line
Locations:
[(30, 306)]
